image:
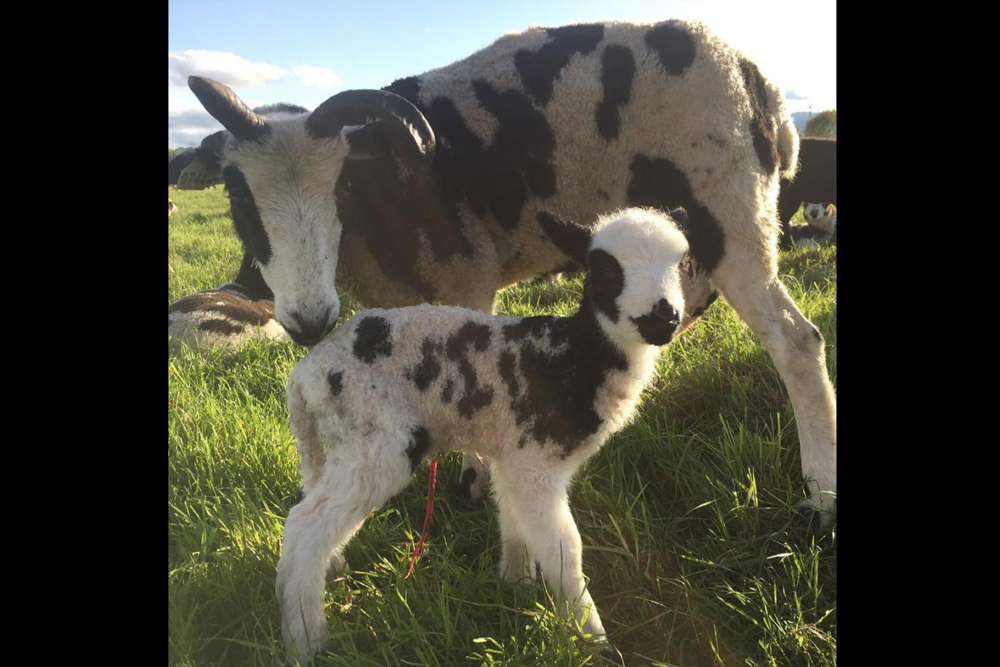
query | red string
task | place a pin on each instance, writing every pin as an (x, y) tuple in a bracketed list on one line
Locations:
[(427, 518)]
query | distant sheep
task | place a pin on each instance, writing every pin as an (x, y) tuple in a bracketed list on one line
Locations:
[(820, 228), (816, 181), (537, 395), (227, 316)]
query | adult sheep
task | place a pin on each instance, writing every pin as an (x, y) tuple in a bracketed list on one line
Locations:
[(429, 189)]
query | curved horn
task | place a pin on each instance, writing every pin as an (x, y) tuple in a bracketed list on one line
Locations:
[(354, 107), (224, 106)]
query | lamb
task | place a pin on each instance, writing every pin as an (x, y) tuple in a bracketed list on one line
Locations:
[(820, 228), (227, 316), (171, 208), (537, 395)]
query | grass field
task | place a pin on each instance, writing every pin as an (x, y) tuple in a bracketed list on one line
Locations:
[(696, 551)]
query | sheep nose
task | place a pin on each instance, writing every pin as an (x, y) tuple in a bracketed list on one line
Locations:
[(664, 312), (309, 332)]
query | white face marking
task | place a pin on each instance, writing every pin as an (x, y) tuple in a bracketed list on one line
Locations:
[(649, 250), (292, 178), (821, 216)]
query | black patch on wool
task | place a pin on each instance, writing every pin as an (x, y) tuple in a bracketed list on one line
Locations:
[(232, 306), (390, 208), (539, 69), (418, 447), (447, 391), (659, 183), (336, 381), (529, 327), (507, 365), (605, 280), (520, 157), (617, 73), (557, 401), (762, 130), (246, 218), (673, 44), (221, 326), (372, 339), (408, 88), (494, 180), (477, 336), (429, 368)]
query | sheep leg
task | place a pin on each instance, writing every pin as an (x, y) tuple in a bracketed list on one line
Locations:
[(749, 281), (355, 482), (541, 509), (516, 562), (312, 455)]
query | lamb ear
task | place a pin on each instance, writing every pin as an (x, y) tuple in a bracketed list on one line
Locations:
[(569, 237)]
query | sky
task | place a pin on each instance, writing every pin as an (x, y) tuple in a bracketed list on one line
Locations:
[(304, 51)]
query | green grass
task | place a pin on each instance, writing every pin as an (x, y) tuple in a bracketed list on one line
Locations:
[(696, 551)]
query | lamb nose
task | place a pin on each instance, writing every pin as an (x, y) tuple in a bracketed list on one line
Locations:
[(664, 311)]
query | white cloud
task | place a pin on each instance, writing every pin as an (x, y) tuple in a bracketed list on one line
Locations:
[(318, 77), (222, 66), (189, 126)]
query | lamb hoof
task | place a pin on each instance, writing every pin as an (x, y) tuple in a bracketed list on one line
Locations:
[(471, 486), (611, 654)]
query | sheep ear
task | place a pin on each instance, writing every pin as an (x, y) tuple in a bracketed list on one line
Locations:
[(569, 237)]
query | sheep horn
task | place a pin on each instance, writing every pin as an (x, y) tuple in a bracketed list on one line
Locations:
[(227, 108)]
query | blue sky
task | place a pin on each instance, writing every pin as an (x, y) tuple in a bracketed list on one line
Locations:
[(303, 51)]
